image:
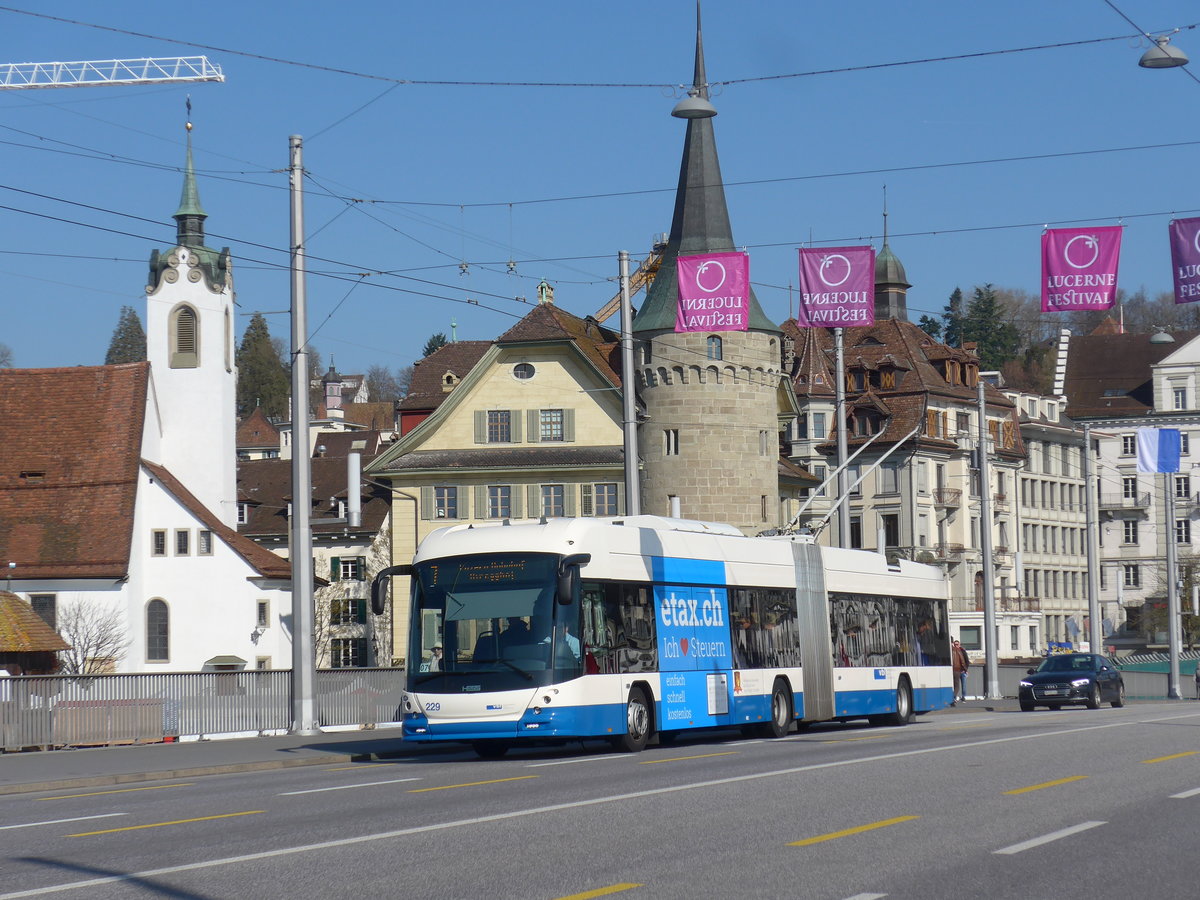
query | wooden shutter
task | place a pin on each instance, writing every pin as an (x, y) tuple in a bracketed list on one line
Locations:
[(569, 499), (360, 611), (535, 425), (514, 417), (335, 568), (534, 494), (481, 435), (360, 568), (514, 499), (427, 502), (481, 502), (620, 498), (568, 424), (585, 500)]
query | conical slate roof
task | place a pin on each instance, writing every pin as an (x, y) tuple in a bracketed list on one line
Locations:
[(700, 223)]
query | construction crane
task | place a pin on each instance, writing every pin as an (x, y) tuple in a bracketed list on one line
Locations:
[(641, 278), (163, 70)]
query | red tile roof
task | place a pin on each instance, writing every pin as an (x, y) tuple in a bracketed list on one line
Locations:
[(257, 432), (267, 485), (425, 391), (22, 630), (71, 440)]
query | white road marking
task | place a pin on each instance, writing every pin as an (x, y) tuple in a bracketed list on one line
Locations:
[(1047, 838), (533, 811), (867, 897), (1186, 794), (60, 821), (581, 759), (346, 787)]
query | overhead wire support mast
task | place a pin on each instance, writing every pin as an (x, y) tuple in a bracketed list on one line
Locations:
[(87, 73)]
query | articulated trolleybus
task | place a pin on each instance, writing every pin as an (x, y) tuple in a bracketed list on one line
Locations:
[(573, 629)]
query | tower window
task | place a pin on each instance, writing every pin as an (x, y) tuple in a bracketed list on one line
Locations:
[(715, 348), (184, 339)]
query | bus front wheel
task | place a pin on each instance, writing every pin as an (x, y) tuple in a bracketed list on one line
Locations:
[(904, 706), (637, 722)]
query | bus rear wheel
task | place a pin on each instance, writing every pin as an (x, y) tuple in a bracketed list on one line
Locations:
[(637, 723), (904, 707), (781, 711)]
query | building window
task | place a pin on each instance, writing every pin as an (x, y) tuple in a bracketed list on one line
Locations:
[(891, 529), (856, 532), (818, 472), (1130, 532), (347, 611), (551, 425), (889, 478), (714, 347), (670, 442), (819, 431), (184, 338), (1183, 486), (262, 663), (1014, 639), (1129, 445), (183, 539), (1129, 487), (1183, 531), (1133, 575), (158, 644), (1183, 443), (962, 422), (553, 496), (499, 426), (347, 653), (1179, 396), (604, 499), (204, 543), (445, 502), (969, 637), (46, 606), (348, 568), (262, 614), (523, 371), (853, 474), (243, 513), (158, 542), (499, 501)]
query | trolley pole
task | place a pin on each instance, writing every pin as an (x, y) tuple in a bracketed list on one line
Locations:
[(633, 487), (991, 662)]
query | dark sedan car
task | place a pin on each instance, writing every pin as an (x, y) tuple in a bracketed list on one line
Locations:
[(1073, 678)]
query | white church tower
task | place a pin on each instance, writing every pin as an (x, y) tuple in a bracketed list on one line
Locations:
[(190, 345)]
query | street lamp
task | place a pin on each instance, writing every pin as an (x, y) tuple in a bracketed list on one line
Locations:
[(1163, 55)]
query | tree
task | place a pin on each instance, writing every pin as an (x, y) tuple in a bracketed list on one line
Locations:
[(96, 633), (385, 385), (435, 341), (6, 356), (931, 327), (952, 318), (262, 375), (128, 342), (984, 323)]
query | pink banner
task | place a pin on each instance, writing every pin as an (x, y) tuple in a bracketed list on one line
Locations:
[(1079, 268), (837, 287), (1185, 259), (714, 292)]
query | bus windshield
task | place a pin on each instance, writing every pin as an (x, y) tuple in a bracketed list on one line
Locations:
[(489, 623)]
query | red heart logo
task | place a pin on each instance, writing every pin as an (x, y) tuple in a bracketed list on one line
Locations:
[(683, 642)]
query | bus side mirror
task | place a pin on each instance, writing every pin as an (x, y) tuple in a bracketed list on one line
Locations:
[(379, 586), (568, 576)]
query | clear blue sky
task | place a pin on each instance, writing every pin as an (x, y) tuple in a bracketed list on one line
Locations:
[(820, 141)]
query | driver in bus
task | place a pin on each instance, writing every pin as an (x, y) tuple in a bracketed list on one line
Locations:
[(516, 633)]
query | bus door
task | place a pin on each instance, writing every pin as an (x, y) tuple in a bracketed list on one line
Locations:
[(694, 656)]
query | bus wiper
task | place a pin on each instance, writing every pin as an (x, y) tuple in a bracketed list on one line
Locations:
[(528, 676)]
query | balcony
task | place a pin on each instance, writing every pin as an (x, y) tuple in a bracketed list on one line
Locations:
[(1013, 604), (1188, 504), (999, 503), (1115, 502), (949, 553), (947, 497)]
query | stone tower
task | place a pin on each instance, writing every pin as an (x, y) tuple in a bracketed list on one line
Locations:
[(710, 442), (190, 345)]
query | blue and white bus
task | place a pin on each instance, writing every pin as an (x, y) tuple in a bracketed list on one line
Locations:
[(627, 628)]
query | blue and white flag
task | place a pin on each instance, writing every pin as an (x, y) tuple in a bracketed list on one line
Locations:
[(1158, 449)]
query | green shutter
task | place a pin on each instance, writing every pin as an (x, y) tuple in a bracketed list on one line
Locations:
[(360, 568), (514, 499), (535, 426), (360, 610), (534, 493), (568, 424), (514, 419), (427, 502), (569, 499), (585, 500), (335, 568), (481, 434), (620, 498), (481, 501)]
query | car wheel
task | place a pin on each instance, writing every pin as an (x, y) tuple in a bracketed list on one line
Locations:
[(1119, 701), (1093, 701), (1026, 707), (781, 711), (637, 722)]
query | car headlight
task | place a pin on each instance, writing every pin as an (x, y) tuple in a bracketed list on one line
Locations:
[(1026, 684), (1080, 682)]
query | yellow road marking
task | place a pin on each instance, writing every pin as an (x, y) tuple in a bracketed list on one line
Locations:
[(833, 835), (158, 787), (446, 787), (601, 892), (1046, 784), (1159, 759), (651, 762), (250, 812)]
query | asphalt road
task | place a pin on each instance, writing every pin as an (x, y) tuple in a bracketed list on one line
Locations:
[(1069, 804)]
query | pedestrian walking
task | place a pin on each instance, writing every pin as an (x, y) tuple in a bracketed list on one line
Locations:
[(1198, 679), (961, 662)]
